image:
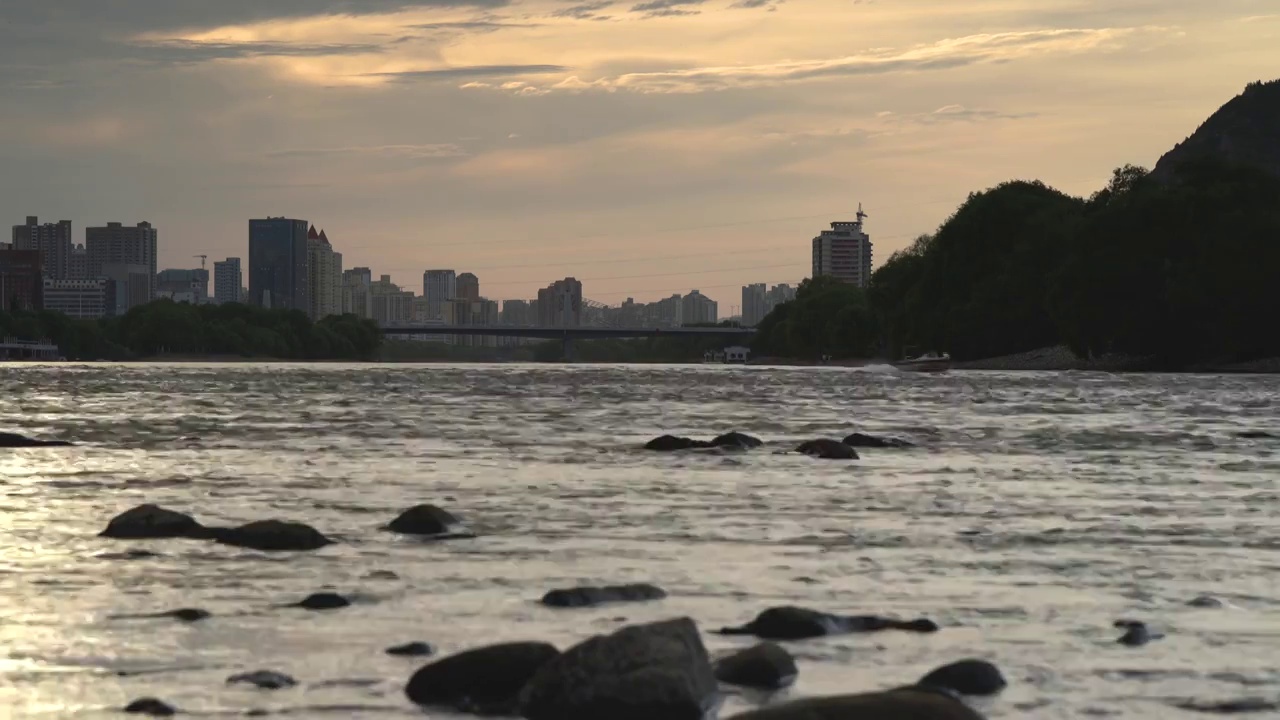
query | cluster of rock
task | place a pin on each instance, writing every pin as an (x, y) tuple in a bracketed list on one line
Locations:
[(13, 440), (152, 521), (824, 448)]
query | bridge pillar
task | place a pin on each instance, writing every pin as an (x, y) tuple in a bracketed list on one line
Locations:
[(566, 348)]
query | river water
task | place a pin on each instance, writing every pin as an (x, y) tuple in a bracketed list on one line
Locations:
[(1038, 509)]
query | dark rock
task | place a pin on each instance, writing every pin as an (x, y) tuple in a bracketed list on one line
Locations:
[(589, 596), (796, 623), (1136, 633), (967, 677), (859, 440), (827, 450), (381, 575), (1255, 435), (153, 521), (907, 703), (489, 677), (428, 520), (413, 649), (12, 440), (736, 440), (766, 666), (640, 672), (272, 535), (189, 614), (150, 706), (323, 601), (265, 679), (1206, 601), (1230, 707), (130, 554), (670, 443)]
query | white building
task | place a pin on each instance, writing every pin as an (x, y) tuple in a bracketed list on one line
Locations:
[(438, 287), (844, 252), (324, 276), (83, 299), (698, 309), (227, 280), (390, 304)]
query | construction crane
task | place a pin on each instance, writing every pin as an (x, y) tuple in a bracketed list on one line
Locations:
[(202, 259)]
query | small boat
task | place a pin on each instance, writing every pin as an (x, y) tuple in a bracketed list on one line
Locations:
[(928, 362)]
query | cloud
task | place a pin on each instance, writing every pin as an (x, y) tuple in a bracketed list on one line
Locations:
[(450, 73), (191, 51), (415, 152), (941, 55), (666, 8), (475, 25), (583, 11), (752, 4)]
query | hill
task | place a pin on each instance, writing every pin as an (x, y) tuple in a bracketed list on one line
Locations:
[(1246, 130)]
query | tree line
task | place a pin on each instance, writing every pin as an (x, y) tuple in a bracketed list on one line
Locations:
[(1179, 271), (164, 327)]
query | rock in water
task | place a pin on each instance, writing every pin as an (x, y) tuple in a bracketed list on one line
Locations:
[(486, 677), (150, 706), (323, 601), (272, 535), (265, 679), (736, 440), (428, 520), (967, 677), (670, 443), (412, 649), (1136, 633), (13, 440), (641, 672), (796, 623), (860, 440), (189, 614), (826, 449), (908, 703), (152, 521), (766, 666), (589, 596)]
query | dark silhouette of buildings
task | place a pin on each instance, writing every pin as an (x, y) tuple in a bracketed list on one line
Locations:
[(21, 280)]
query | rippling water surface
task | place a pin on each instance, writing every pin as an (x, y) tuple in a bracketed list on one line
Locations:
[(1039, 508)]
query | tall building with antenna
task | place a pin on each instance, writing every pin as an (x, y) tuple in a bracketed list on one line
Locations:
[(844, 252)]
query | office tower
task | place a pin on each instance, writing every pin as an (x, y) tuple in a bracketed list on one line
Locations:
[(80, 299), (117, 244), (439, 286), (467, 287), (227, 280), (844, 252), (324, 275), (278, 276), (52, 240)]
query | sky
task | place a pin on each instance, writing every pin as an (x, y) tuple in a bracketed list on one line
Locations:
[(646, 147)]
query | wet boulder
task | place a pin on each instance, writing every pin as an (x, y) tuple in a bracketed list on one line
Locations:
[(265, 679), (1136, 633), (429, 520), (827, 449), (861, 440), (153, 521), (640, 672), (488, 678), (671, 443), (590, 596), (906, 703), (13, 440), (272, 535), (967, 677), (322, 601), (150, 706), (188, 614), (766, 666), (736, 440), (1206, 601), (796, 623), (411, 649)]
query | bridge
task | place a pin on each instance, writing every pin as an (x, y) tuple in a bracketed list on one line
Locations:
[(568, 334)]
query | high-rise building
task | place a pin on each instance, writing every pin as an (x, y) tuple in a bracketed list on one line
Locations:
[(753, 304), (278, 276), (183, 284), (81, 299), (227, 279), (53, 240), (698, 309), (516, 313), (391, 304), (439, 286), (127, 286), (117, 244), (777, 295), (560, 304), (357, 292), (467, 287), (21, 281), (78, 263), (844, 252), (324, 275)]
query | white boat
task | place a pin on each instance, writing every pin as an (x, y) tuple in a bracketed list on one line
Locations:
[(928, 362)]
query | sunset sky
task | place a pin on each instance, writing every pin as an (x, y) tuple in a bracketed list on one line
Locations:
[(646, 147)]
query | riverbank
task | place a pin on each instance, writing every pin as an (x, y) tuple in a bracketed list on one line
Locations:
[(1060, 358)]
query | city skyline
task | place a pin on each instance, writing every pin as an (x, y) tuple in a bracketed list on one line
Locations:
[(644, 149)]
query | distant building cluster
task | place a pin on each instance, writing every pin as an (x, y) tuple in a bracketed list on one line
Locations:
[(291, 265)]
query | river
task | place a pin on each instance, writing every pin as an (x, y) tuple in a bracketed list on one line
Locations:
[(1038, 509)]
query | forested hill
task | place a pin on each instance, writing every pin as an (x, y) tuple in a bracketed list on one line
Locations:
[(1246, 130)]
